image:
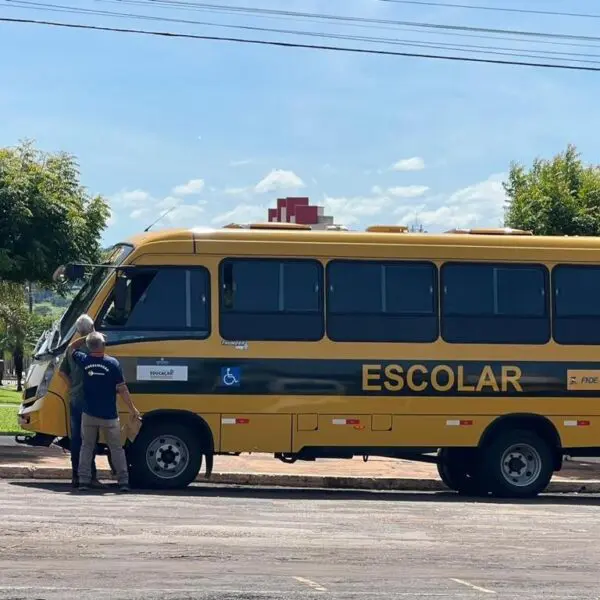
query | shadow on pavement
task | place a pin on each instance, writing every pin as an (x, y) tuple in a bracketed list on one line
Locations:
[(273, 493)]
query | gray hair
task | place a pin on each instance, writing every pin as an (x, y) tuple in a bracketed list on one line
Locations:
[(95, 342), (84, 324)]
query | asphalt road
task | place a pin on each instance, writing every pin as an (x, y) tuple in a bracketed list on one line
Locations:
[(216, 543)]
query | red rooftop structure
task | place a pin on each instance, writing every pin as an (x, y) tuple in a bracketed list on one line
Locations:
[(299, 210)]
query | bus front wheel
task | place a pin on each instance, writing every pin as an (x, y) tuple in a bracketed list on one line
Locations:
[(165, 455), (517, 464), (457, 469)]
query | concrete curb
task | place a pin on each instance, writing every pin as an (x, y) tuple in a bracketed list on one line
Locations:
[(303, 481)]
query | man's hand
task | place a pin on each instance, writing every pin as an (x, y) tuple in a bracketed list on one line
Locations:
[(124, 393), (76, 344)]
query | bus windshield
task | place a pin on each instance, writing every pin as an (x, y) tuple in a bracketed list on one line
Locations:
[(86, 294)]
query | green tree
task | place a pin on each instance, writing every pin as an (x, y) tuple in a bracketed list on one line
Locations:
[(560, 196), (47, 217)]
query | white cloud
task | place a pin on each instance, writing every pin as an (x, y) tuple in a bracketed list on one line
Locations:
[(139, 213), (131, 198), (185, 215), (347, 211), (279, 179), (193, 186), (403, 191), (168, 202), (408, 191), (416, 163), (243, 213), (237, 191), (241, 163), (112, 218), (478, 205)]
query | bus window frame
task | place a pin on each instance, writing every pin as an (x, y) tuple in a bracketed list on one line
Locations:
[(548, 308), (191, 333), (557, 268), (389, 262), (223, 309)]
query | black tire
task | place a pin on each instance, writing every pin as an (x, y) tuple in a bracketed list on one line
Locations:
[(517, 464), (458, 471), (165, 455)]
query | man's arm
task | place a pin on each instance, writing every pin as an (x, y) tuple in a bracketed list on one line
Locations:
[(123, 391), (74, 346)]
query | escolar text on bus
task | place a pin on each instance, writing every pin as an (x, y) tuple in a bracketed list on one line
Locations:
[(441, 378)]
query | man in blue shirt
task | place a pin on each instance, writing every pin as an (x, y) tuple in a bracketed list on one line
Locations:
[(102, 379), (74, 375)]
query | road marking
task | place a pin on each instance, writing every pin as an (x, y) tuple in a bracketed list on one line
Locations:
[(312, 584), (472, 586)]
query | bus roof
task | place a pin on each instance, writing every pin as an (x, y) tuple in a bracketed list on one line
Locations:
[(460, 238)]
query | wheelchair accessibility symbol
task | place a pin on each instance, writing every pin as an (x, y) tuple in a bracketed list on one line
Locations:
[(231, 376)]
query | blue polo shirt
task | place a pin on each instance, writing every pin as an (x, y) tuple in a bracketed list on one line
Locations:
[(101, 376)]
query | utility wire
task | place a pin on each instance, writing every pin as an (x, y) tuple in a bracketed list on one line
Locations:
[(473, 48), (530, 11), (351, 19), (360, 22), (282, 44)]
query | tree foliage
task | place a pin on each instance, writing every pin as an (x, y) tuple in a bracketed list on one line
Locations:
[(560, 196), (19, 329), (47, 217)]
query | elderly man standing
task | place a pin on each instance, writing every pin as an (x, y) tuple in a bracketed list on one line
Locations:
[(84, 326), (102, 379)]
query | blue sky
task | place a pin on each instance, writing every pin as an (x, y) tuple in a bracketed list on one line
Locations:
[(221, 130)]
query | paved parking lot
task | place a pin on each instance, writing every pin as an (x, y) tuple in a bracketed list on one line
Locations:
[(250, 544)]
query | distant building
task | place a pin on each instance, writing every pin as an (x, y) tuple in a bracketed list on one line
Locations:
[(299, 210)]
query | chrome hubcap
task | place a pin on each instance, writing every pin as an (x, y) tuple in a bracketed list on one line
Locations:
[(521, 465), (167, 456)]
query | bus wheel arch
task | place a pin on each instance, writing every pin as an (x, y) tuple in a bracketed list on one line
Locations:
[(168, 451), (518, 455)]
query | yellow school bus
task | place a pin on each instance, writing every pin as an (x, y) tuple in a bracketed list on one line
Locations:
[(476, 349)]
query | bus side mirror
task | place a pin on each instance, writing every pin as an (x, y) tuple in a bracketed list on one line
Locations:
[(121, 295), (70, 272)]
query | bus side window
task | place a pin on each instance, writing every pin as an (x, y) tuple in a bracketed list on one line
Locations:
[(228, 285), (576, 304), (271, 299), (495, 303), (168, 302)]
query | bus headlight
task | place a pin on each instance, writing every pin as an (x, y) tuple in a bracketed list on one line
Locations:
[(46, 379)]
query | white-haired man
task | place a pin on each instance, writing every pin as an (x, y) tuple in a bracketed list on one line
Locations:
[(84, 326), (102, 380)]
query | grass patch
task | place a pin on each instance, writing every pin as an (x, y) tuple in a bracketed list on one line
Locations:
[(9, 396), (8, 421)]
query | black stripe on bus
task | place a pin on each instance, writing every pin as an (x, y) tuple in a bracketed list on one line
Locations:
[(325, 377)]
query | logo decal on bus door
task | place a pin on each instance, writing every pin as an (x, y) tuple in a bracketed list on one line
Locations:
[(580, 379), (162, 373)]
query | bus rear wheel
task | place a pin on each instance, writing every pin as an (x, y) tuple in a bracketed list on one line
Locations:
[(165, 455), (517, 464), (458, 470)]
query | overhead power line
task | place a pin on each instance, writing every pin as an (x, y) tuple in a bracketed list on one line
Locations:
[(220, 8), (284, 44), (530, 11), (363, 24), (577, 57)]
